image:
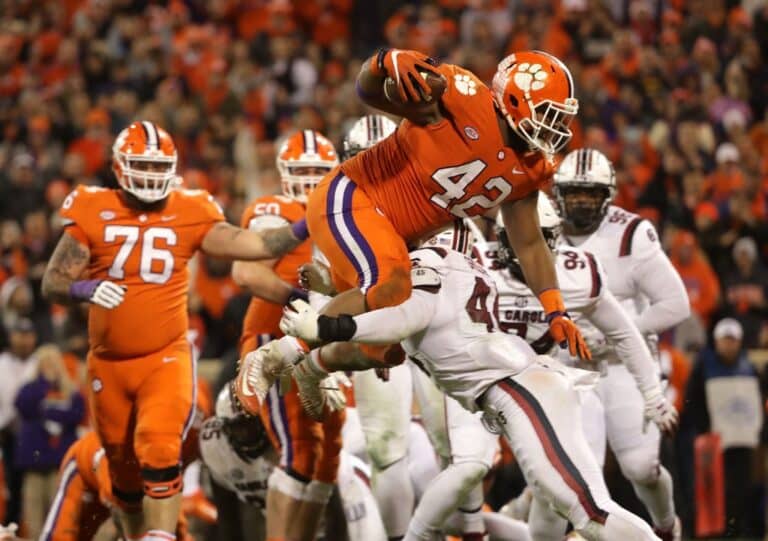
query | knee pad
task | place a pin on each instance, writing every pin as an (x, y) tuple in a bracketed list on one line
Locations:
[(158, 450), (162, 483), (640, 466), (281, 482), (129, 502)]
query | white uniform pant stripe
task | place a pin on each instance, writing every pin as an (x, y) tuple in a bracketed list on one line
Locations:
[(70, 470), (340, 191)]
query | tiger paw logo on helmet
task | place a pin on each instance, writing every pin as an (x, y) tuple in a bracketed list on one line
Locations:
[(465, 84), (529, 77)]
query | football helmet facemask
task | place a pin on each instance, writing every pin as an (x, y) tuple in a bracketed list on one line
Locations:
[(584, 186), (144, 161), (302, 161), (535, 93)]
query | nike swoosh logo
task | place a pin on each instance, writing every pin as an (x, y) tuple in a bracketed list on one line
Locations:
[(169, 359), (244, 383), (167, 218), (516, 171)]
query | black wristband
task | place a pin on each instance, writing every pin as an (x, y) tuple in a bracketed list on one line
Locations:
[(336, 329), (380, 59)]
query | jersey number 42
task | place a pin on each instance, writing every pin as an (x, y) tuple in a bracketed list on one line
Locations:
[(455, 180)]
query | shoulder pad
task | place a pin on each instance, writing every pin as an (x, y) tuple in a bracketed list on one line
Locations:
[(640, 240), (425, 278), (266, 221)]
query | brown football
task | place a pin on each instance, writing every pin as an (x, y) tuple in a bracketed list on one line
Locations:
[(436, 82)]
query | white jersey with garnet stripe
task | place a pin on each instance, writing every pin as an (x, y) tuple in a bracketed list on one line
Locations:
[(638, 272), (459, 347), (581, 282)]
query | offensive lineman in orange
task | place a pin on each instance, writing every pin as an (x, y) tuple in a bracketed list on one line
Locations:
[(84, 496), (467, 152), (309, 450), (126, 251)]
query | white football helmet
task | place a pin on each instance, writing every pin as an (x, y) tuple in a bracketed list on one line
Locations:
[(144, 161), (551, 227), (459, 237), (366, 132), (588, 173), (302, 161)]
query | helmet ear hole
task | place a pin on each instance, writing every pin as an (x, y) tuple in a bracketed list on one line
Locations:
[(513, 99)]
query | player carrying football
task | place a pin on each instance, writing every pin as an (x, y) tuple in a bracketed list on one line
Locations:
[(459, 154), (126, 251)]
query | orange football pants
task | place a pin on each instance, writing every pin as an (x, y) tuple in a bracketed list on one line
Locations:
[(77, 511), (309, 450), (142, 408), (361, 244)]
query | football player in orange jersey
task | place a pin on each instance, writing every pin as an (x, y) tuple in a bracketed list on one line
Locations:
[(125, 251), (309, 450), (84, 499), (470, 151)]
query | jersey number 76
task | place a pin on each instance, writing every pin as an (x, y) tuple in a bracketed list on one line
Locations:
[(151, 256)]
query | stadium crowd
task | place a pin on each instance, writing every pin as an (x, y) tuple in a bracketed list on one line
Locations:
[(674, 92)]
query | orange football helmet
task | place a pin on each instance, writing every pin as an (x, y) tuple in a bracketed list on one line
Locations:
[(534, 90), (303, 160), (144, 161)]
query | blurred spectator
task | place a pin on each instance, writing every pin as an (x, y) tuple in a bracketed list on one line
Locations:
[(18, 365), (723, 396), (20, 191), (746, 291), (700, 280), (50, 409)]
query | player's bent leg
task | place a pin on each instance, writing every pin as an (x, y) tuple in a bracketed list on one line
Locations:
[(360, 243), (284, 497), (63, 517), (544, 523), (318, 492), (637, 447), (444, 495), (385, 415), (360, 509), (538, 410), (164, 413)]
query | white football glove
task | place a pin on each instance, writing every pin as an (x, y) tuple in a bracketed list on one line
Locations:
[(8, 533), (659, 411), (300, 319), (108, 295), (332, 387)]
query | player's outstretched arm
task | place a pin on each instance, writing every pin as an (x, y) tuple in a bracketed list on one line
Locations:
[(229, 242), (370, 86), (260, 280), (613, 321), (521, 221)]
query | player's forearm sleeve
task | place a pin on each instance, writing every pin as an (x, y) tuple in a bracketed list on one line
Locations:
[(394, 324), (611, 319), (668, 300)]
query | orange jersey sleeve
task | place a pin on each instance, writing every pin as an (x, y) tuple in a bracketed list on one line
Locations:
[(268, 212), (145, 251), (423, 177)]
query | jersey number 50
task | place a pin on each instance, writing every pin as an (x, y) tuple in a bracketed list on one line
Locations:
[(454, 180), (149, 253)]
